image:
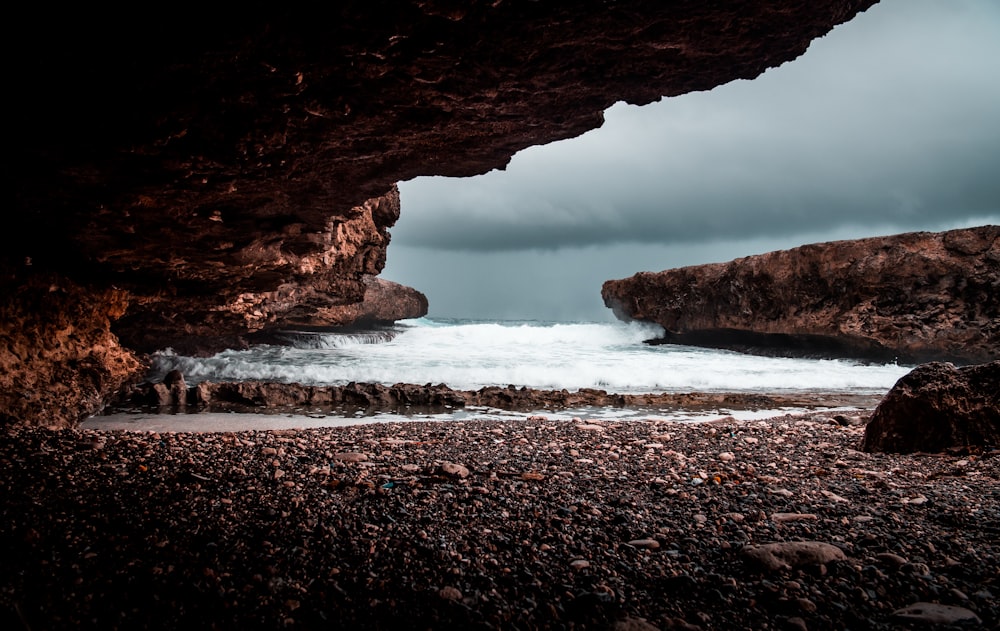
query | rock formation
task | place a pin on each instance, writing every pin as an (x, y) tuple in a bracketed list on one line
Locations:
[(936, 407), (55, 362), (384, 302), (913, 297), (224, 170), (274, 397)]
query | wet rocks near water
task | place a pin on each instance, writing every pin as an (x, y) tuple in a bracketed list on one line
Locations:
[(489, 524), (936, 407), (403, 397)]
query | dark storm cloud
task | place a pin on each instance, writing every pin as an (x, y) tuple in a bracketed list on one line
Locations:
[(891, 120)]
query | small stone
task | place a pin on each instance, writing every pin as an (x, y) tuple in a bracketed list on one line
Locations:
[(806, 605), (350, 456), (648, 544), (796, 624), (890, 559), (634, 624), (589, 427), (450, 593), (791, 554), (836, 498), (933, 613), (579, 564), (454, 470), (727, 456), (781, 518)]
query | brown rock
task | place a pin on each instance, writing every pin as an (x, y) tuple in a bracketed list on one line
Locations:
[(781, 518), (792, 554), (350, 456), (384, 302), (450, 593), (915, 297), (233, 176), (59, 361), (634, 624), (648, 544), (454, 470), (937, 406)]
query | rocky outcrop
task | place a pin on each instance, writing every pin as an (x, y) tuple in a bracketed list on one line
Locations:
[(58, 364), (226, 171), (912, 297), (937, 407), (408, 398), (384, 302)]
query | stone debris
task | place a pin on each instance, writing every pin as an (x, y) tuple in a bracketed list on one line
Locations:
[(493, 524)]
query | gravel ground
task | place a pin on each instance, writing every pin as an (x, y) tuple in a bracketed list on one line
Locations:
[(495, 525)]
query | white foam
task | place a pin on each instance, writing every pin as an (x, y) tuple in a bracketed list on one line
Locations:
[(550, 356)]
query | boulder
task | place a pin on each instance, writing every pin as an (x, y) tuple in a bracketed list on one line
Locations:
[(791, 554), (937, 406)]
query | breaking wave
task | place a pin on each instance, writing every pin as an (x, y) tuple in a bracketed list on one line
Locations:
[(471, 355)]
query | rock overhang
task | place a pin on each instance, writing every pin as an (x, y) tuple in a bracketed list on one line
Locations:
[(226, 170)]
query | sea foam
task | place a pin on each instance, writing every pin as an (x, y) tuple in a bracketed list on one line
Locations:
[(471, 355)]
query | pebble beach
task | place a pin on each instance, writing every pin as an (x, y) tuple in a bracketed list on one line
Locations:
[(777, 523)]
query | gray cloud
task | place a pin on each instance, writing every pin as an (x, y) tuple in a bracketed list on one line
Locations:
[(888, 124), (890, 119)]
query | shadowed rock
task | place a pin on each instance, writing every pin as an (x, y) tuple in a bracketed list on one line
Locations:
[(937, 406), (225, 173), (933, 614), (792, 554)]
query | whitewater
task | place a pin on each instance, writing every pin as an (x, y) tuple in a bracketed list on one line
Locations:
[(469, 355)]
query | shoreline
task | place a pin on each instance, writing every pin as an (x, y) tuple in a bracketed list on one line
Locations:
[(235, 406), (540, 524)]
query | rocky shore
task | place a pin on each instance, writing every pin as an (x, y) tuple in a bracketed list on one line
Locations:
[(533, 524)]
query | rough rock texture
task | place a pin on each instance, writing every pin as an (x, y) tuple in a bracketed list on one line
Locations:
[(406, 398), (227, 169), (384, 302), (269, 283), (937, 406), (914, 297), (58, 365)]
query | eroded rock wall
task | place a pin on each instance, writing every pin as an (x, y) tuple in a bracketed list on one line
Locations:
[(228, 169), (915, 297), (59, 360)]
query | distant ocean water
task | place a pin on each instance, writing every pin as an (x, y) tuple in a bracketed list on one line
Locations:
[(469, 355)]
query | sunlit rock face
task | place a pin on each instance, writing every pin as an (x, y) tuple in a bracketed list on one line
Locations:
[(224, 171), (914, 297)]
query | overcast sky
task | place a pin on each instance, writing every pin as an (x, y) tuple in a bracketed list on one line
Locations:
[(890, 123)]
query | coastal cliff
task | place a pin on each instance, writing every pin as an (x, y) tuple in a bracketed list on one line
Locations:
[(913, 297), (222, 173)]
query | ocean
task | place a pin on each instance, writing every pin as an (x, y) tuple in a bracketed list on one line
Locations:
[(468, 355)]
